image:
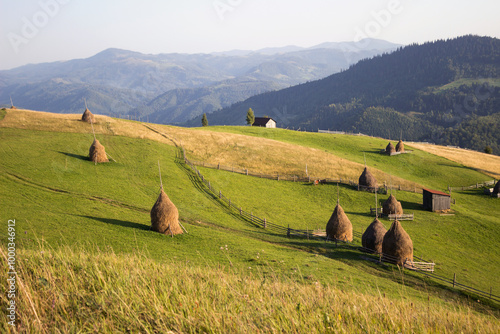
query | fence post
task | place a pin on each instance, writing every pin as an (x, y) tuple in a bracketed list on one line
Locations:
[(251, 217), (246, 170), (454, 279), (278, 177), (220, 194), (218, 165), (265, 223), (240, 211), (230, 203), (209, 186)]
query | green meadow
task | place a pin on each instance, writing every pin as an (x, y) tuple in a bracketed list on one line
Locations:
[(89, 262)]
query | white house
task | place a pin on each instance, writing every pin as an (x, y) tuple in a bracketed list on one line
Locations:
[(266, 122)]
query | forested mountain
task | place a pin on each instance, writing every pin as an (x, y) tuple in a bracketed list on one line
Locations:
[(447, 92), (120, 83)]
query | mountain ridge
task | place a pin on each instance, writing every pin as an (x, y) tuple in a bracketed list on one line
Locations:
[(405, 84), (132, 80)]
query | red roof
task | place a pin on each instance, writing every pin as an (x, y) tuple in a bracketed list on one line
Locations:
[(437, 192)]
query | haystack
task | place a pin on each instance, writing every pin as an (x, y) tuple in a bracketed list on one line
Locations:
[(367, 179), (97, 153), (339, 227), (373, 236), (397, 246), (400, 146), (390, 149), (165, 216), (392, 206), (496, 189), (88, 116)]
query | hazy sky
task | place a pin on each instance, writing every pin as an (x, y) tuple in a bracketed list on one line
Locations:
[(35, 31)]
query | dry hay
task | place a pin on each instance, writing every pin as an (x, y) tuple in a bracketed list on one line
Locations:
[(339, 227), (367, 179), (400, 146), (97, 153), (397, 246), (88, 116), (165, 216), (373, 236), (392, 206), (390, 149)]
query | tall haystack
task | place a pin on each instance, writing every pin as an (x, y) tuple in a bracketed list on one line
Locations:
[(496, 189), (373, 236), (392, 206), (339, 227), (165, 216), (88, 116), (367, 180), (390, 149), (97, 153), (400, 146), (397, 246)]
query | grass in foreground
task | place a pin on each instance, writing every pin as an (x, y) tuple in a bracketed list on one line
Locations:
[(84, 291)]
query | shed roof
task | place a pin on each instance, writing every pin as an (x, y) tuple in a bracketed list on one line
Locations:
[(262, 121), (436, 192)]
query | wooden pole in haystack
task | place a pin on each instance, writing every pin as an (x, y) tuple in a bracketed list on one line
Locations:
[(11, 103)]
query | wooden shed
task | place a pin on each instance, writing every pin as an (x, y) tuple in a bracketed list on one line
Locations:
[(435, 200), (266, 122)]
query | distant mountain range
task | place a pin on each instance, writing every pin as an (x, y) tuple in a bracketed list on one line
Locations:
[(171, 88), (447, 92)]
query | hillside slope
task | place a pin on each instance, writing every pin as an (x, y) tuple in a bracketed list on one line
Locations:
[(69, 210), (436, 92)]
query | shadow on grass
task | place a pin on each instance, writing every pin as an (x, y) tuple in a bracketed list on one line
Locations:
[(118, 222), (412, 206), (76, 156)]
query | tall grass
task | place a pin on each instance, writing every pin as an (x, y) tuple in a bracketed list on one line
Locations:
[(100, 291)]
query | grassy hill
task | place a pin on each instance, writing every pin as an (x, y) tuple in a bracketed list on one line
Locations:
[(88, 261)]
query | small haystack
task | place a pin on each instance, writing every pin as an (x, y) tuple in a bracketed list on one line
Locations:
[(97, 153), (390, 149), (339, 227), (367, 180), (400, 146), (392, 206), (496, 190), (397, 246), (165, 216), (373, 236), (88, 116)]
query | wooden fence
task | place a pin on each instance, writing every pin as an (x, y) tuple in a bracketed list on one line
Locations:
[(297, 178), (474, 186), (420, 265)]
